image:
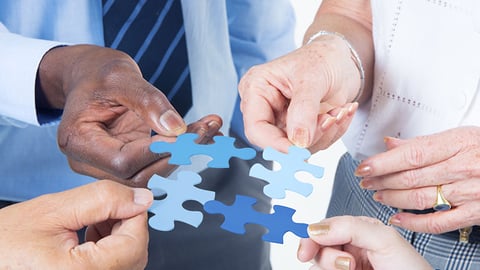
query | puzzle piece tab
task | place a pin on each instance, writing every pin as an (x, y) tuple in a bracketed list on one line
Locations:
[(284, 178), (241, 213), (185, 147), (178, 191)]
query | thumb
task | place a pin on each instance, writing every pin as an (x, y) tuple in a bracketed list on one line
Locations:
[(100, 201), (150, 104), (391, 252), (302, 116)]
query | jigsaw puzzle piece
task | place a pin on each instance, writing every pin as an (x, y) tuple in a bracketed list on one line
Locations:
[(161, 222), (170, 209), (283, 223), (296, 159), (284, 178), (280, 181), (242, 212), (180, 150), (220, 151), (223, 149), (235, 214)]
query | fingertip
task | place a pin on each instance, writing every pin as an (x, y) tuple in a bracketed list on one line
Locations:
[(352, 108), (307, 249), (301, 137), (318, 229), (343, 263), (173, 123), (363, 170), (142, 196)]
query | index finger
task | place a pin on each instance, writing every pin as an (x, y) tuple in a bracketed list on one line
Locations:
[(410, 154), (263, 108)]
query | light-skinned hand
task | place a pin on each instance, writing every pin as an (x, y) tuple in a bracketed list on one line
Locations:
[(349, 243), (407, 174), (42, 233), (302, 98)]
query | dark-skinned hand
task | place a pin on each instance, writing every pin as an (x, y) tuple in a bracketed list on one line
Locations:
[(109, 110)]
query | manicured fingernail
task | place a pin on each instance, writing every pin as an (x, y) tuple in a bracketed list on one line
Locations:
[(341, 114), (172, 121), (377, 196), (142, 196), (366, 184), (318, 229), (388, 139), (300, 137), (352, 107), (363, 170), (394, 220), (342, 263), (328, 122)]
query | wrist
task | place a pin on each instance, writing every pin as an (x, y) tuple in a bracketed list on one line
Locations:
[(48, 85), (354, 56)]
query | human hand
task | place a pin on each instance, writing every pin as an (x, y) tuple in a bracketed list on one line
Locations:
[(407, 174), (301, 98), (109, 110), (347, 242), (42, 233)]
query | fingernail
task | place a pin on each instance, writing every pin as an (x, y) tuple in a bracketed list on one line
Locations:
[(377, 197), (318, 229), (328, 122), (171, 121), (341, 114), (365, 184), (388, 139), (394, 220), (300, 137), (214, 124), (352, 107), (342, 263), (363, 170), (142, 196)]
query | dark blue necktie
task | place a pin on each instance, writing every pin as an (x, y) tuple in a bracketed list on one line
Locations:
[(152, 33)]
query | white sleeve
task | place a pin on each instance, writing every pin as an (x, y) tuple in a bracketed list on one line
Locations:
[(20, 59)]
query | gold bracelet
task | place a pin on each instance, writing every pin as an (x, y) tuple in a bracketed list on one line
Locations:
[(355, 57)]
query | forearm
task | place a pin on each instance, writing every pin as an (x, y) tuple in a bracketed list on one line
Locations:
[(353, 20)]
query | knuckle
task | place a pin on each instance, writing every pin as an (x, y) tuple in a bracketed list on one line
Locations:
[(248, 79), (411, 179), (420, 200), (121, 166), (435, 227), (105, 190), (415, 156)]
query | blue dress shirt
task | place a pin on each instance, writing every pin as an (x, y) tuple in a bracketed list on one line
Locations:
[(224, 38)]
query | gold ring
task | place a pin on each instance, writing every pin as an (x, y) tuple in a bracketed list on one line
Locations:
[(441, 204)]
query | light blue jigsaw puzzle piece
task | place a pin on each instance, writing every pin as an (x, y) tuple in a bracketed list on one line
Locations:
[(242, 212), (220, 151), (170, 209), (284, 178)]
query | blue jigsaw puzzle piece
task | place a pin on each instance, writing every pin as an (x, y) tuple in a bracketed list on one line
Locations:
[(220, 151), (284, 178), (170, 209), (242, 212)]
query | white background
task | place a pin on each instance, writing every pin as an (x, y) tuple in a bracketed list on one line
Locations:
[(313, 208)]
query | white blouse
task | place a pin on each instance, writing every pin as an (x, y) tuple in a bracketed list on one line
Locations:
[(427, 72)]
